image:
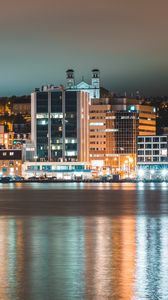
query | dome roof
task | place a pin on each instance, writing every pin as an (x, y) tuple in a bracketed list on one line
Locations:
[(69, 70), (95, 70)]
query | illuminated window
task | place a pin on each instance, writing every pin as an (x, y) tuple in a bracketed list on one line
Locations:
[(112, 130), (97, 124), (163, 152), (57, 115), (70, 153), (42, 116), (110, 118), (43, 122)]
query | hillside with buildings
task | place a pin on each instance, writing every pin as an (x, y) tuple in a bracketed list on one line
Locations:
[(58, 128)]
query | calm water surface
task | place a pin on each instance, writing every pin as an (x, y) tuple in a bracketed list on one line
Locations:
[(84, 241)]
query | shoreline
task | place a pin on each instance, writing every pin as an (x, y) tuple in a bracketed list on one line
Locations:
[(8, 180)]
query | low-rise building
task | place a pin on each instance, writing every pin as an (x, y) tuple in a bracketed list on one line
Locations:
[(152, 157), (62, 171), (10, 162)]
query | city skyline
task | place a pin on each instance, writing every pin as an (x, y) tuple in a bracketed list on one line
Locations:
[(126, 41)]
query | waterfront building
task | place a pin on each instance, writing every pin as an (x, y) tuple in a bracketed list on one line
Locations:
[(114, 127), (152, 149), (152, 157), (57, 170), (59, 124), (6, 138), (10, 162), (93, 89)]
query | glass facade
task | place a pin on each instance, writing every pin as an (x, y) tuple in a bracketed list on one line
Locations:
[(121, 132), (71, 126), (56, 117), (42, 125), (127, 130), (56, 125)]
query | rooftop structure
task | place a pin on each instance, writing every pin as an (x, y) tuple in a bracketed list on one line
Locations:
[(93, 89)]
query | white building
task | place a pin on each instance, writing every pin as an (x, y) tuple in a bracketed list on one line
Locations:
[(63, 170), (152, 157), (152, 149), (60, 124), (93, 89)]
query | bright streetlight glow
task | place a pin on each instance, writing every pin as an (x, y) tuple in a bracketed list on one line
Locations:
[(164, 172), (140, 172)]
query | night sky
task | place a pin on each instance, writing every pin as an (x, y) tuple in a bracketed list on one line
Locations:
[(126, 39)]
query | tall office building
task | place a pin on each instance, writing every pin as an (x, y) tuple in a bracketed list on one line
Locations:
[(114, 127), (59, 124)]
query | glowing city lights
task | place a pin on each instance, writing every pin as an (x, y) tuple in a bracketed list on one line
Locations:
[(140, 172)]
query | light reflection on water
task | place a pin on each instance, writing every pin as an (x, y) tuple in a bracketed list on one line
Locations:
[(85, 186), (122, 256)]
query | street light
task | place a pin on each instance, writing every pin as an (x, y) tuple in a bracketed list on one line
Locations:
[(140, 172), (164, 173), (151, 173), (128, 163)]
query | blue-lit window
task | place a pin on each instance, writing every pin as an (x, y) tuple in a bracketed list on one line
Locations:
[(33, 168), (46, 168), (156, 139)]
